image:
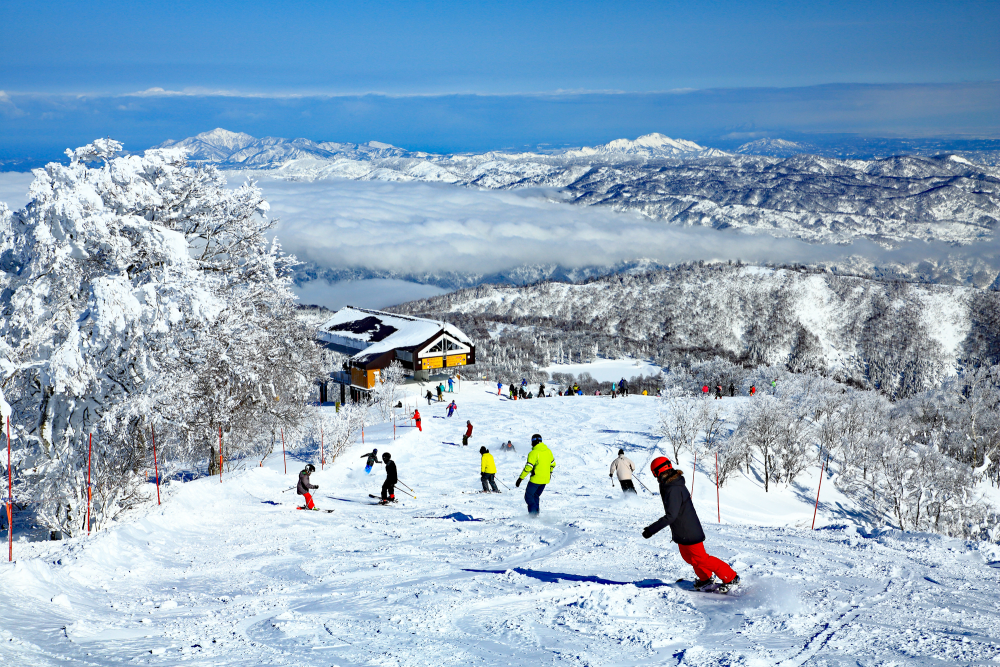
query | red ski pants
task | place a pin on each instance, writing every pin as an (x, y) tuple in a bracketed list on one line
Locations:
[(418, 426), (705, 565), (309, 500)]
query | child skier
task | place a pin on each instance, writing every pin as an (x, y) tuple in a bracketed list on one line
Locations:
[(389, 485), (499, 388), (540, 465), (624, 467), (416, 418), (468, 434), (372, 460), (487, 470), (304, 486), (685, 528), (451, 408)]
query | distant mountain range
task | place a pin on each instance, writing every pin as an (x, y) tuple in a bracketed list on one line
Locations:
[(768, 186)]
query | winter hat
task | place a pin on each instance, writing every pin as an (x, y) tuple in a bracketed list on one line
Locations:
[(621, 452), (386, 456), (483, 450), (659, 465), (535, 439)]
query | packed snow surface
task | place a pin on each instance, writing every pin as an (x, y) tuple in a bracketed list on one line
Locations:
[(607, 370), (231, 574)]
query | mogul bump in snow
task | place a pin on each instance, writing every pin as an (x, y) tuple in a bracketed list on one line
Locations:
[(540, 465), (468, 433), (685, 528), (389, 485), (304, 486), (488, 470), (624, 467)]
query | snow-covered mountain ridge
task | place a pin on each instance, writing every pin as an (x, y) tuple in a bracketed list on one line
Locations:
[(818, 199), (897, 337)]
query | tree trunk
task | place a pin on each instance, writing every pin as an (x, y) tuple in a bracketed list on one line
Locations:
[(213, 461)]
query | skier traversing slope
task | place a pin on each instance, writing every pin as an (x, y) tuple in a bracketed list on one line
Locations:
[(624, 467), (451, 408), (487, 470), (468, 433), (389, 485), (372, 460), (429, 396), (685, 528), (540, 465), (499, 388), (304, 486)]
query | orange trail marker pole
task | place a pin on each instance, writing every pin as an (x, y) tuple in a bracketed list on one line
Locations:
[(220, 455), (156, 469), (90, 454), (283, 457), (816, 508)]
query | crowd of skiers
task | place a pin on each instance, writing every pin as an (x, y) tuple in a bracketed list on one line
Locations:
[(679, 512)]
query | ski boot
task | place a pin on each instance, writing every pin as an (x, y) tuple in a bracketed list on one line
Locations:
[(702, 584), (726, 587)]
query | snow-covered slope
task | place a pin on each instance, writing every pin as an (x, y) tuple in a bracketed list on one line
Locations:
[(819, 199), (232, 574)]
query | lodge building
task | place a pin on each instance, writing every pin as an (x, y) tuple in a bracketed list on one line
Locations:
[(374, 339)]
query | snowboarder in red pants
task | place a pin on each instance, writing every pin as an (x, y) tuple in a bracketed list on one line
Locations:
[(416, 418), (685, 528), (304, 486)]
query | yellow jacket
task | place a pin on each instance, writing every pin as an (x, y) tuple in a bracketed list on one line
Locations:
[(540, 464), (488, 464)]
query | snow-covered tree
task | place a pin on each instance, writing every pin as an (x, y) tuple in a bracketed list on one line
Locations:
[(141, 293)]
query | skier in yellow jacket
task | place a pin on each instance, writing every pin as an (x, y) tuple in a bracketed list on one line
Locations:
[(540, 465), (488, 470)]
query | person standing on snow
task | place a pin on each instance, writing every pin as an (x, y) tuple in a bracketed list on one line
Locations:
[(304, 486), (451, 385), (389, 485), (512, 392), (718, 392), (624, 467), (488, 470), (429, 397), (753, 389), (541, 390), (774, 386), (451, 408), (704, 390), (440, 392), (685, 528), (614, 389), (468, 434), (623, 388), (540, 465), (732, 390), (416, 418), (499, 388)]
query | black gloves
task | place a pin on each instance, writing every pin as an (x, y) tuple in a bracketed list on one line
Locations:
[(611, 474), (315, 487), (647, 533), (518, 482)]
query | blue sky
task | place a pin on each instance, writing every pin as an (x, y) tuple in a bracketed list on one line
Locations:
[(423, 70)]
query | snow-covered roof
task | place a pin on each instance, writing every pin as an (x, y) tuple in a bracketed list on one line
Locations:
[(374, 332)]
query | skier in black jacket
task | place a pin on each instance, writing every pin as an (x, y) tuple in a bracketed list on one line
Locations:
[(372, 459), (679, 514), (304, 486), (389, 485)]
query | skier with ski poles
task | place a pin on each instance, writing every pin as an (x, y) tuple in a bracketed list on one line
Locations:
[(468, 434), (429, 396), (499, 388), (686, 530), (305, 486), (539, 465), (451, 385), (487, 470), (372, 460), (388, 486), (451, 408), (624, 467)]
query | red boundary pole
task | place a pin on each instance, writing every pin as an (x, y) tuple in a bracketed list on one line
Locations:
[(718, 504), (220, 455), (283, 457), (10, 502), (156, 468), (90, 455), (822, 469)]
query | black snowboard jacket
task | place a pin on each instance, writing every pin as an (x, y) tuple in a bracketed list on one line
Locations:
[(304, 484), (390, 472), (678, 511)]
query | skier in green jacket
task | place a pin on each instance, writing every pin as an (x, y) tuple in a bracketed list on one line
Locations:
[(540, 465)]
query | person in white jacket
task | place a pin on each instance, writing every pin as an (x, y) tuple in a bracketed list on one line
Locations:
[(624, 467)]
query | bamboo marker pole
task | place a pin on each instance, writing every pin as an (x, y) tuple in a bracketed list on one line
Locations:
[(156, 468), (90, 454), (822, 469)]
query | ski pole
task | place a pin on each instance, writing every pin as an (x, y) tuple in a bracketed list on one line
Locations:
[(288, 489), (641, 484), (398, 482), (502, 482), (409, 494)]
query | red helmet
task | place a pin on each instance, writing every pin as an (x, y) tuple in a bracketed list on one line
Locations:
[(660, 465)]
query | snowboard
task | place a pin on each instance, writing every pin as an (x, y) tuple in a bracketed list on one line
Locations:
[(368, 469), (714, 587)]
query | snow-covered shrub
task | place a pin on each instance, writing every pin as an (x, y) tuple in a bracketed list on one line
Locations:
[(387, 390), (141, 293), (341, 428), (680, 423)]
